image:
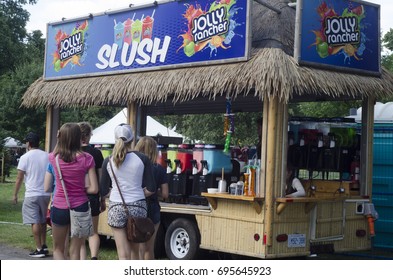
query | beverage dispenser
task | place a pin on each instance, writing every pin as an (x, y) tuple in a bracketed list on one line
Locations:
[(162, 156), (172, 155), (197, 155), (329, 154), (216, 160), (198, 183), (184, 154), (177, 189)]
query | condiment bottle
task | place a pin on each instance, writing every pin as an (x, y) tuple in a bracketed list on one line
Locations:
[(251, 186), (246, 183)]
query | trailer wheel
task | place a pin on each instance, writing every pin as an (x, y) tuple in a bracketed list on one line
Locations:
[(181, 240)]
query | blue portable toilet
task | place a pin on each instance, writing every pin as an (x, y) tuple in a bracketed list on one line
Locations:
[(382, 193)]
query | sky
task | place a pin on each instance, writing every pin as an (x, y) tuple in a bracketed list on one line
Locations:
[(46, 11)]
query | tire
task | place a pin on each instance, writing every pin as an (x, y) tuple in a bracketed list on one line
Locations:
[(181, 240)]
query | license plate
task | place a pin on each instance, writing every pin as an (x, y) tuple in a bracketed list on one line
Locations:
[(296, 240)]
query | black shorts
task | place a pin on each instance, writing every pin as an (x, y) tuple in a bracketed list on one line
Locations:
[(61, 217), (153, 211), (95, 205)]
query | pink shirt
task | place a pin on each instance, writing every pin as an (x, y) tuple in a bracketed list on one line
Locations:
[(74, 179)]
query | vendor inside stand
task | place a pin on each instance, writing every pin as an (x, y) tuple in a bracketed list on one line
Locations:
[(294, 187)]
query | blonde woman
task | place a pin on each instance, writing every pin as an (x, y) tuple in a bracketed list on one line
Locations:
[(148, 146), (134, 173)]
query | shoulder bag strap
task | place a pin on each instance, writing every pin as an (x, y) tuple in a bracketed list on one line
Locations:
[(62, 181), (117, 184)]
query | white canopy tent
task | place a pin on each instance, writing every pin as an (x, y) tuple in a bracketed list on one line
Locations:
[(383, 113), (10, 142), (104, 134)]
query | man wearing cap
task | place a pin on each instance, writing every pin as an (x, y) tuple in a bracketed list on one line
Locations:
[(31, 169)]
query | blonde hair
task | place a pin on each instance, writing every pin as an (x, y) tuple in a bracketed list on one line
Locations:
[(120, 151), (148, 146)]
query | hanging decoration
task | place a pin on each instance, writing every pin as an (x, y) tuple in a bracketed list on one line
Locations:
[(229, 124)]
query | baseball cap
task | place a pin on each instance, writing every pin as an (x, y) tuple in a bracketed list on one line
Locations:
[(32, 137), (124, 131)]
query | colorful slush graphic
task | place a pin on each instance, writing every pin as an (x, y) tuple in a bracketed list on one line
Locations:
[(340, 34), (70, 49), (133, 30), (210, 28)]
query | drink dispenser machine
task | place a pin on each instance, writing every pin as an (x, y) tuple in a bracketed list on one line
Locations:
[(162, 156)]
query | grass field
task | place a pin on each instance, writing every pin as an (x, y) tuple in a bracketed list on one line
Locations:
[(14, 233)]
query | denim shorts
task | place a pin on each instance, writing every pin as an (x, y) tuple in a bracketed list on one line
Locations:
[(61, 217)]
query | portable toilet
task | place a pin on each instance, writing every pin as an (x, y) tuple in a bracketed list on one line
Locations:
[(382, 192)]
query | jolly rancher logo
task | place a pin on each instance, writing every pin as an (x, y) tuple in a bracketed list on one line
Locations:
[(213, 27), (70, 48), (209, 25), (342, 30), (340, 34)]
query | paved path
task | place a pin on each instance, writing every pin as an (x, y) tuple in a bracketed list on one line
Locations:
[(12, 253)]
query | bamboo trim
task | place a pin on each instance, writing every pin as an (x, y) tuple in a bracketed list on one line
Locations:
[(270, 166), (262, 177), (279, 148), (284, 150)]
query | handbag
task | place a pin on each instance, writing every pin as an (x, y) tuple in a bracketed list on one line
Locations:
[(139, 229), (81, 223)]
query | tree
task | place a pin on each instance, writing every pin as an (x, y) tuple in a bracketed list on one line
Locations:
[(328, 109), (387, 58), (13, 19), (15, 120), (209, 128), (95, 115)]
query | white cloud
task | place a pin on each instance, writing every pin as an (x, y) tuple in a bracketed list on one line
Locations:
[(54, 10), (46, 11)]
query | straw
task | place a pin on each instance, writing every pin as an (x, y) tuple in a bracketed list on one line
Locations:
[(133, 16), (152, 15), (142, 17), (114, 20), (222, 174)]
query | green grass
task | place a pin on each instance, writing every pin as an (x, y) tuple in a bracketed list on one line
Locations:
[(14, 233)]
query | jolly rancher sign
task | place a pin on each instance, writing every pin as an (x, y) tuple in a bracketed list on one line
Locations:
[(339, 35), (149, 37)]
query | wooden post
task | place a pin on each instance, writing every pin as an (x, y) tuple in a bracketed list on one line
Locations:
[(2, 168), (270, 168), (52, 126), (366, 153), (132, 110)]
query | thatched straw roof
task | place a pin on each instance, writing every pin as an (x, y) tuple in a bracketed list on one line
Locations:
[(271, 71)]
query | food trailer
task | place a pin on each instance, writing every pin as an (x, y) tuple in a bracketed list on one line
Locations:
[(260, 56)]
